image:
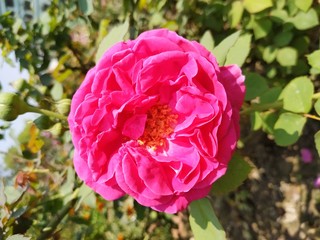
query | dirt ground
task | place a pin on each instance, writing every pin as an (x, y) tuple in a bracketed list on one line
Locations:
[(279, 200)]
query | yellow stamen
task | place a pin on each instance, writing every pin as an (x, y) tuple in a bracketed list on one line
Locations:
[(160, 124)]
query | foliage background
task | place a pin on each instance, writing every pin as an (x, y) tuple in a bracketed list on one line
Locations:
[(278, 48)]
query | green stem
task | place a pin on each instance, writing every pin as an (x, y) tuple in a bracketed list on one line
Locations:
[(51, 227), (47, 113), (132, 28), (311, 116), (262, 107), (316, 95)]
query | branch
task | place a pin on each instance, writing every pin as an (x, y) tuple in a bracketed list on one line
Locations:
[(51, 227)]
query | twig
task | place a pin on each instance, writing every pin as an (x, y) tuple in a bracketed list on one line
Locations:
[(51, 227)]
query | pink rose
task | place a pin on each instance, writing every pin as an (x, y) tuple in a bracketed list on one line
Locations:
[(157, 119)]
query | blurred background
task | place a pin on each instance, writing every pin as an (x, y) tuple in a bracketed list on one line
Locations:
[(47, 46)]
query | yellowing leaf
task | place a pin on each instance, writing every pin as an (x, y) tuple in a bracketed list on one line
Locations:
[(34, 144)]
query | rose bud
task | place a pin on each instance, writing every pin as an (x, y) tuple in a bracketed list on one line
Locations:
[(63, 106), (11, 106)]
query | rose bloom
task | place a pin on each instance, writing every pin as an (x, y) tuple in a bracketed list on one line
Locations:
[(157, 119)]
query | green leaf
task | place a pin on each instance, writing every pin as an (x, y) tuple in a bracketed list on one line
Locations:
[(261, 28), (57, 91), (67, 187), (288, 128), (279, 15), (253, 6), (86, 6), (305, 20), (268, 121), (237, 172), (256, 121), (281, 4), (301, 44), (3, 197), (314, 59), (283, 39), (115, 35), (43, 122), (17, 25), (317, 141), (86, 196), (271, 95), (235, 14), (255, 85), (240, 51), (297, 95), (317, 106), (304, 5), (18, 237), (287, 56), (221, 51), (203, 221), (207, 40), (13, 194), (269, 54), (56, 129)]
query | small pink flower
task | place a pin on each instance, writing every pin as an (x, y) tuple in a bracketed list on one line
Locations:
[(306, 155), (157, 119), (317, 182)]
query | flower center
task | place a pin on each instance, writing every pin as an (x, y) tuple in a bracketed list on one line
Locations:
[(160, 124)]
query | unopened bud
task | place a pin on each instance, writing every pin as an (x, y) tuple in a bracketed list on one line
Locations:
[(63, 106), (11, 106)]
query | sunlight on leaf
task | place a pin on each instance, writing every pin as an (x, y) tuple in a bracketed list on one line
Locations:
[(297, 95), (221, 51), (203, 221), (314, 59), (253, 6), (240, 51), (207, 40), (115, 35), (18, 237), (306, 20), (304, 5)]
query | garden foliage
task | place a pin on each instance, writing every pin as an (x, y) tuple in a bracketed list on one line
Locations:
[(276, 43)]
